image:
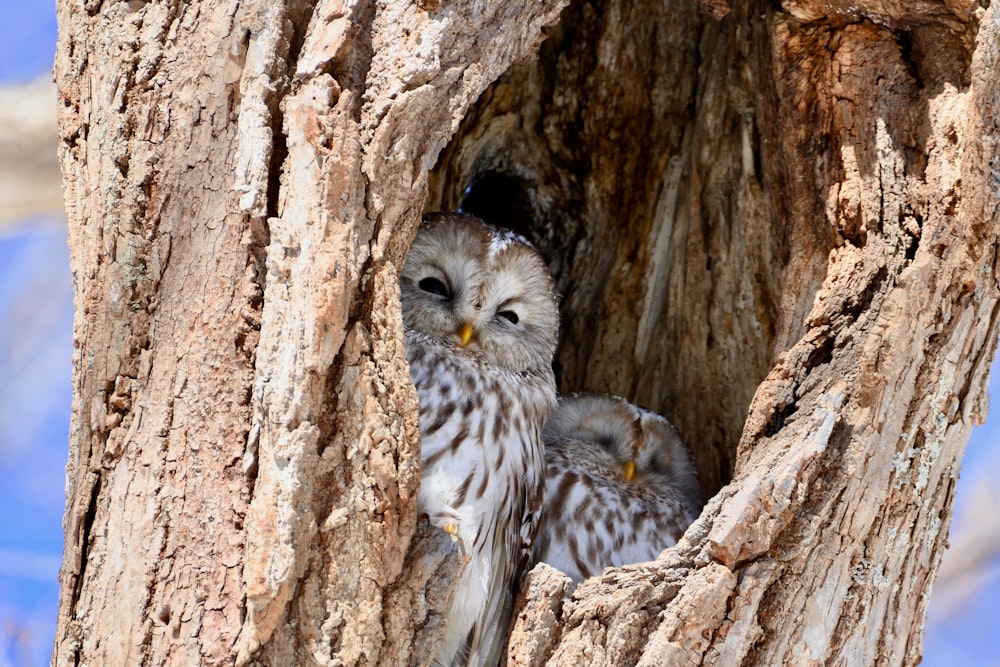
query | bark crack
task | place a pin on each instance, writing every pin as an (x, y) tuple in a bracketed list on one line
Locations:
[(84, 528)]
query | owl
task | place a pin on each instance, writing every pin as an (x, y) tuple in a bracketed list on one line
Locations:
[(620, 486), (481, 321)]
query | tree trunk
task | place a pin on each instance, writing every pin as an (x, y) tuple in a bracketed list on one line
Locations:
[(776, 227)]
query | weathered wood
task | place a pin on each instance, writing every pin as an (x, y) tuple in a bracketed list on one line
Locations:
[(242, 181), (377, 93), (165, 299), (778, 229), (856, 222)]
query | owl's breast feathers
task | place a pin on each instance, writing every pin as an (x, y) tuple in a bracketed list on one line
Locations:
[(483, 469), (481, 431)]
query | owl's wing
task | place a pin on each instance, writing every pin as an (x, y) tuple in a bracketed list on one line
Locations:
[(512, 555), (490, 632)]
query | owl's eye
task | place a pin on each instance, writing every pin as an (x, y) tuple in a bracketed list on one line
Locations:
[(509, 315), (433, 286)]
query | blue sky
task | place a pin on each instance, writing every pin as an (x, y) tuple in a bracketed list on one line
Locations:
[(35, 397), (36, 346), (27, 39)]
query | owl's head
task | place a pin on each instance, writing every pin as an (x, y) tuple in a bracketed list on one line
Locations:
[(483, 289), (641, 444)]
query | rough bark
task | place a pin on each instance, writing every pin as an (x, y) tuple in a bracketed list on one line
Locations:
[(777, 228), (242, 181), (838, 200)]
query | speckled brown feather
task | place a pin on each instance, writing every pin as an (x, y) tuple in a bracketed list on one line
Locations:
[(594, 518)]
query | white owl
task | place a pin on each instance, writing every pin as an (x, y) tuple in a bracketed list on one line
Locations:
[(620, 486), (481, 322)]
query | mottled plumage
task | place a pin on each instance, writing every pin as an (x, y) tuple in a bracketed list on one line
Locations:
[(481, 325), (620, 486)]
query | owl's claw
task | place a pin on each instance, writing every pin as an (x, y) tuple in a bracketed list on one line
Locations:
[(452, 529)]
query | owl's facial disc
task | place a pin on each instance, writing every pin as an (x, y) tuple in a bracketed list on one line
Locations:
[(485, 291)]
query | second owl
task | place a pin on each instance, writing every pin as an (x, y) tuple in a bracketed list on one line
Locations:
[(620, 486)]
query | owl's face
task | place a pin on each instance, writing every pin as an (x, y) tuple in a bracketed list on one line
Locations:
[(641, 444), (483, 289)]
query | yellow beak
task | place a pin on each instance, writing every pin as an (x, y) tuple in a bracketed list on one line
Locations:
[(629, 470), (465, 334)]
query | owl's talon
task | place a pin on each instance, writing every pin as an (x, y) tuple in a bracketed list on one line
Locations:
[(452, 529)]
